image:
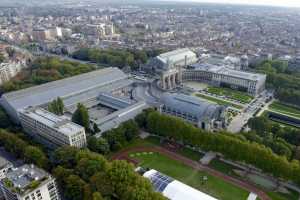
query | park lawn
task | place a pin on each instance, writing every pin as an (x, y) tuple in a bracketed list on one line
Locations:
[(243, 97), (279, 196), (214, 186), (219, 101), (285, 109), (189, 153), (222, 167)]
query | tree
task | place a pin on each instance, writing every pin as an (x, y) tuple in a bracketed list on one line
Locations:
[(4, 119), (96, 128), (56, 106), (35, 155), (75, 187), (2, 58), (81, 116), (98, 145), (97, 196), (65, 156)]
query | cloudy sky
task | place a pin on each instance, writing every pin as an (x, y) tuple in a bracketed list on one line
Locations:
[(286, 3)]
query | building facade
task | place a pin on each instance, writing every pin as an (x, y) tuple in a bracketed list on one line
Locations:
[(205, 115), (51, 129), (252, 83), (169, 66), (9, 70), (29, 183), (5, 166)]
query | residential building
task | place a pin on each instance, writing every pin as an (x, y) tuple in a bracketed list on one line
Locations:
[(29, 183), (5, 166), (201, 113), (51, 129)]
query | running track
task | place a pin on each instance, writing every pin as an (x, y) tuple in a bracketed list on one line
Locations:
[(123, 155)]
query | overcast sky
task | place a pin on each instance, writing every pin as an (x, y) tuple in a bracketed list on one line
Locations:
[(286, 3)]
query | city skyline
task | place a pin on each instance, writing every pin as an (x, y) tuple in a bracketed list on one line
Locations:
[(281, 3)]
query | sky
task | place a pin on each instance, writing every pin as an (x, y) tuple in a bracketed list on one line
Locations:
[(285, 3)]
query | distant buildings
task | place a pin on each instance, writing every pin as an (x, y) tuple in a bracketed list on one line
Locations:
[(50, 129), (201, 113), (173, 189), (29, 183), (222, 76)]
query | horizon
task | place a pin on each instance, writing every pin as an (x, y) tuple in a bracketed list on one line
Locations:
[(277, 3)]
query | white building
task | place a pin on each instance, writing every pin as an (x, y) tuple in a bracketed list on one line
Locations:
[(51, 129), (8, 71), (5, 166), (29, 183), (173, 189), (252, 83)]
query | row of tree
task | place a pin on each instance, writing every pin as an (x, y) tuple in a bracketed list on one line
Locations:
[(23, 150), (236, 148), (282, 140), (284, 80), (114, 139), (43, 70), (116, 57)]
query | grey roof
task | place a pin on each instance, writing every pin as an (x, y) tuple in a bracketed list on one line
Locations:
[(22, 177), (176, 55), (222, 70), (192, 105), (115, 102), (65, 88), (3, 163)]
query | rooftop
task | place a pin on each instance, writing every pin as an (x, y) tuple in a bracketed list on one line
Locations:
[(68, 87), (226, 71), (3, 163), (193, 105), (176, 55), (173, 189), (25, 178), (59, 123)]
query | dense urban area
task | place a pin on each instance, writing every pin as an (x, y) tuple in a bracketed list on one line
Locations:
[(148, 100)]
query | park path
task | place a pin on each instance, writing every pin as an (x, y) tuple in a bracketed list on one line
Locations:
[(123, 155)]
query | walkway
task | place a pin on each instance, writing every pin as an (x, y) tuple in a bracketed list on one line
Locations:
[(123, 155)]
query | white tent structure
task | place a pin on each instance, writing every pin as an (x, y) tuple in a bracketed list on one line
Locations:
[(173, 189)]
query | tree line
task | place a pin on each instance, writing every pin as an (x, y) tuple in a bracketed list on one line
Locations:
[(284, 141), (283, 79), (116, 57), (233, 147), (43, 70)]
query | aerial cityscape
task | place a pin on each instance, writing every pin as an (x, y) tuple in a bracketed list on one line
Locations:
[(149, 100)]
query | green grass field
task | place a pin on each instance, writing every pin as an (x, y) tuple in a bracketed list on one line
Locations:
[(285, 109), (219, 101), (232, 94), (214, 186)]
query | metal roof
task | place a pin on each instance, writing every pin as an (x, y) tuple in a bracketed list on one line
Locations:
[(65, 88), (191, 105)]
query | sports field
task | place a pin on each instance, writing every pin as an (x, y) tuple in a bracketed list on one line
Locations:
[(214, 186)]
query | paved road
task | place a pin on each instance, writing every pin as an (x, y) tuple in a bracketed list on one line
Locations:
[(123, 155)]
